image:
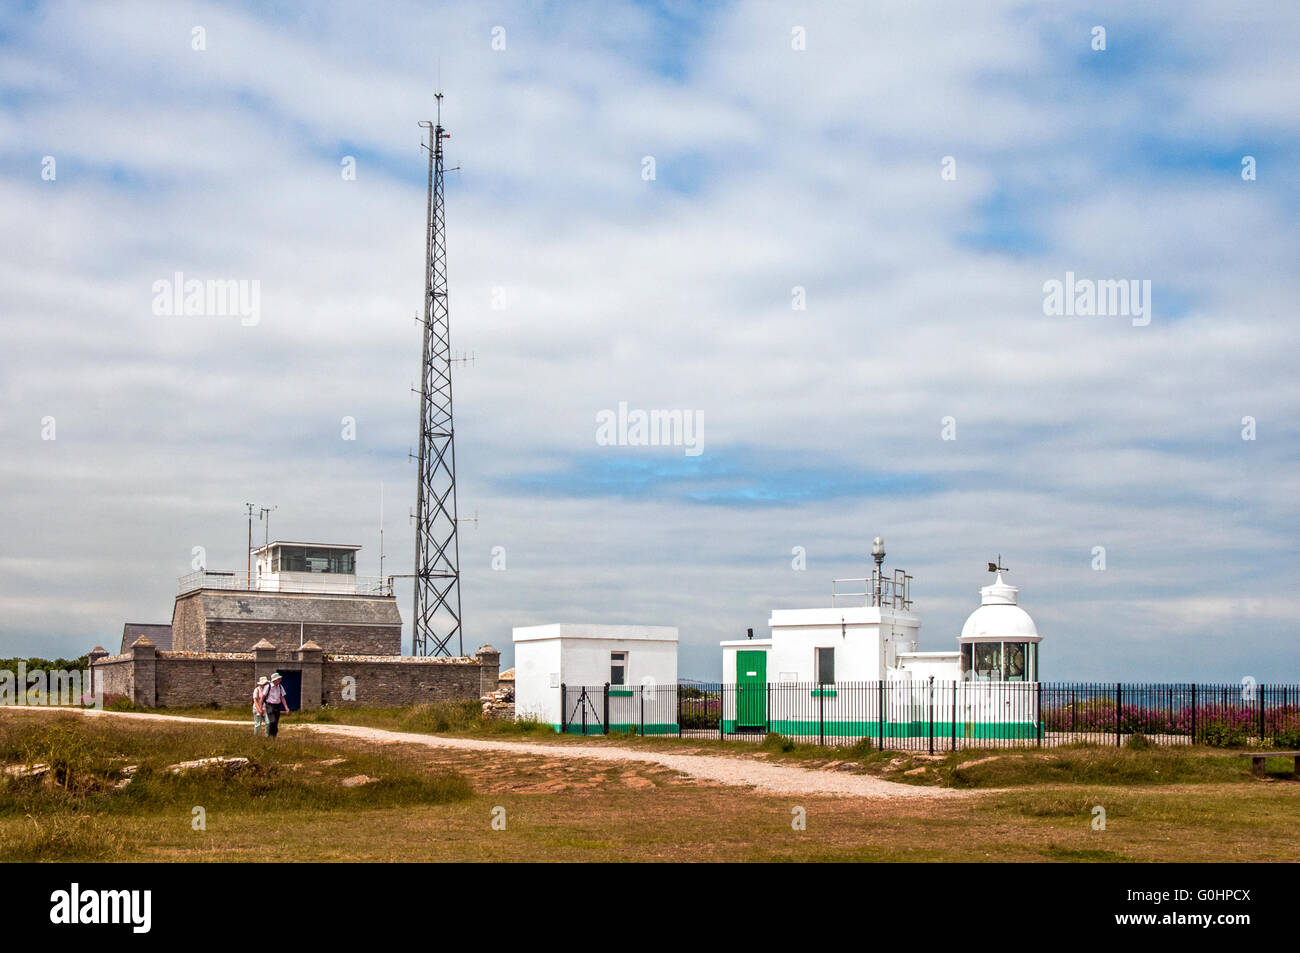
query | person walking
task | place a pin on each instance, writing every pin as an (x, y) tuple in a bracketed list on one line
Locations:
[(274, 701), (259, 705)]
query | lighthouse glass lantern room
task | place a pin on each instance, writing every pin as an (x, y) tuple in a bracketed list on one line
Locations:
[(999, 642)]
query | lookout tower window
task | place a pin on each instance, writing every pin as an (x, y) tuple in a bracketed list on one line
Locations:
[(309, 559)]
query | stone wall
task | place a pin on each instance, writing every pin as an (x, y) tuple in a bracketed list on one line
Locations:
[(182, 679), (231, 636), (187, 624), (234, 620), (378, 682), (113, 674)]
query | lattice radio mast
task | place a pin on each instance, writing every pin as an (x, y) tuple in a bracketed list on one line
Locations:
[(437, 548)]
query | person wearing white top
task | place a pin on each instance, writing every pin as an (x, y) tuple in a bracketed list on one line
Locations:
[(259, 709), (274, 701)]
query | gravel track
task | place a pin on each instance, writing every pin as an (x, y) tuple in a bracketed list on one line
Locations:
[(739, 771)]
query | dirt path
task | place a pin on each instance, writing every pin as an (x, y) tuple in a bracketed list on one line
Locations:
[(771, 778)]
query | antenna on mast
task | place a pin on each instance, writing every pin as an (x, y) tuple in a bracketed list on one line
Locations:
[(437, 618)]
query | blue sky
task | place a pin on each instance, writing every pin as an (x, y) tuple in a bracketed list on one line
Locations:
[(578, 284)]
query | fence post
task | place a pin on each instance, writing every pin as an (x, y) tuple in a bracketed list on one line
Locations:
[(821, 714), (642, 710), (1193, 713), (767, 708), (1261, 714), (931, 714), (564, 702), (880, 716), (678, 689), (606, 731), (953, 746), (1119, 701), (1038, 710)]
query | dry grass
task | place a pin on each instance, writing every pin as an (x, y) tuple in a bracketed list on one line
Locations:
[(574, 809)]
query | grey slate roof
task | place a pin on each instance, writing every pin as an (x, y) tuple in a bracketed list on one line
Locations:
[(159, 633)]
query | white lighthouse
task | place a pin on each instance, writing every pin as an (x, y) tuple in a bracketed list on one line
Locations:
[(999, 642), (858, 667)]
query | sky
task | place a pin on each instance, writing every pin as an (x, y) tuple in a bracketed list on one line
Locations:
[(824, 232)]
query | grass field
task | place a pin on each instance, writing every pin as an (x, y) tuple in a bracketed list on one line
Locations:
[(975, 768), (440, 804)]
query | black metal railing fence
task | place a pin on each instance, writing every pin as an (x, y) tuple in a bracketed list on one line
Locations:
[(939, 716)]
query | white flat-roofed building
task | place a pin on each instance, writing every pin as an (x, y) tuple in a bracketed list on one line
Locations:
[(584, 657)]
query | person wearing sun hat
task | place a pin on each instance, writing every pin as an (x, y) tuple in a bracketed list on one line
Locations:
[(259, 707), (274, 701)]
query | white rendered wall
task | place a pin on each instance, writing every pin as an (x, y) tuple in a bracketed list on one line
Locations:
[(537, 666), (547, 656), (920, 667), (587, 661), (866, 641), (345, 584)]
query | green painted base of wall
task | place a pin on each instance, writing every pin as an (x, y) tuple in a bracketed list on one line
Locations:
[(914, 729), (664, 728), (730, 727), (845, 729)]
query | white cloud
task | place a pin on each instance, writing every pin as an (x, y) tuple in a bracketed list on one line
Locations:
[(776, 168)]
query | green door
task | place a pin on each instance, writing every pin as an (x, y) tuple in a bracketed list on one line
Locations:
[(751, 689)]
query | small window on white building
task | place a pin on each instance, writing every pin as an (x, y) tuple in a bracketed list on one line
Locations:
[(826, 666), (618, 668)]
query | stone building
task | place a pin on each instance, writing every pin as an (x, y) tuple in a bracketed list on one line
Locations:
[(335, 637)]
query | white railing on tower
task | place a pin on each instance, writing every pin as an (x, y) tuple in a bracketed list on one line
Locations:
[(286, 582)]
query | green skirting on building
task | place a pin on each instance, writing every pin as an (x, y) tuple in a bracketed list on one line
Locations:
[(663, 728), (895, 729)]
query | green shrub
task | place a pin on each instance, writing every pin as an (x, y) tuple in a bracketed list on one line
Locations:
[(529, 724), (778, 742), (861, 748), (1219, 734), (1287, 738), (444, 716), (64, 745), (699, 719), (1137, 741)]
